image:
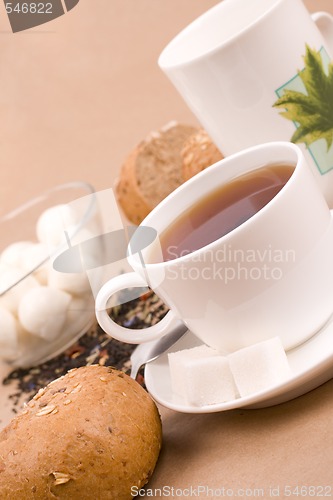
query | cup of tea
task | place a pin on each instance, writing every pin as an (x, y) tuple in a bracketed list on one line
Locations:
[(259, 71), (244, 253)]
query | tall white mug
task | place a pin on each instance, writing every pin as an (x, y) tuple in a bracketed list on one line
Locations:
[(254, 71)]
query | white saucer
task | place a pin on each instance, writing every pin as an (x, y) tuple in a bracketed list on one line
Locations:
[(311, 364)]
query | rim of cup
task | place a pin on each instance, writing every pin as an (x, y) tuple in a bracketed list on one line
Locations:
[(247, 156)]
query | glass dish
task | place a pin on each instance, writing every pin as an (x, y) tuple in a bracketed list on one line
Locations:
[(43, 310)]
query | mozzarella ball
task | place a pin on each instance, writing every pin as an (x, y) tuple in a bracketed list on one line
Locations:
[(75, 283), (91, 248), (53, 223), (42, 311), (33, 257), (12, 255), (12, 297), (3, 268), (8, 334), (97, 255), (77, 310)]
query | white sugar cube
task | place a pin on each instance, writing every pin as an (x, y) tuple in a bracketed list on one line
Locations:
[(177, 362), (209, 381), (259, 366), (42, 311)]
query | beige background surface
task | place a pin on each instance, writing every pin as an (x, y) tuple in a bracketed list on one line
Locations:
[(75, 96), (78, 93)]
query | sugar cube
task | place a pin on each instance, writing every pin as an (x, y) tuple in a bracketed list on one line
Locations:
[(259, 366), (177, 361), (209, 381)]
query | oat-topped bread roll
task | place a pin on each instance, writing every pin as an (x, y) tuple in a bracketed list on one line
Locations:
[(198, 153), (152, 171), (94, 433)]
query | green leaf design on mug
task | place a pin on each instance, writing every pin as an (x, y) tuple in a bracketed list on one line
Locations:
[(313, 111)]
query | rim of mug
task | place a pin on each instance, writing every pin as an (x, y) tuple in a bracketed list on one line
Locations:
[(154, 214), (183, 34)]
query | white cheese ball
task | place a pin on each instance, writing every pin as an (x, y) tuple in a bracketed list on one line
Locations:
[(75, 283), (42, 311), (34, 255), (12, 255), (53, 223), (12, 297), (78, 309), (8, 334), (3, 268), (91, 249), (97, 252)]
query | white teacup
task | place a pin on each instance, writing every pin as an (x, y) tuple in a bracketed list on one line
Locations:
[(270, 276), (234, 63)]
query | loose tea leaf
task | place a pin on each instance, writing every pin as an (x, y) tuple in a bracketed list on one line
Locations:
[(95, 347)]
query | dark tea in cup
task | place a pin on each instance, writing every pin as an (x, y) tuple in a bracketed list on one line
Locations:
[(223, 210)]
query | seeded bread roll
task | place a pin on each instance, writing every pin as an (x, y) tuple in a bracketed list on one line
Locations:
[(198, 153), (94, 433), (152, 171)]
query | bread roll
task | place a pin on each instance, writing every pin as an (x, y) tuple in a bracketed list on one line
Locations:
[(198, 153), (93, 434), (152, 171)]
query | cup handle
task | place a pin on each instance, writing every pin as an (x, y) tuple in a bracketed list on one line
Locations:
[(324, 22), (119, 332)]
